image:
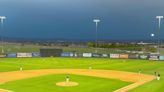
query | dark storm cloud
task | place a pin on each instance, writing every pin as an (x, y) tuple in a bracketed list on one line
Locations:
[(72, 19)]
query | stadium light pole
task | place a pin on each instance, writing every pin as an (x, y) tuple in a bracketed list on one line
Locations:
[(152, 35), (158, 32), (96, 21), (2, 18)]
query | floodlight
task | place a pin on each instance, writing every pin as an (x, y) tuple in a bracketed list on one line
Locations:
[(159, 20), (152, 35), (159, 25), (2, 18), (96, 21)]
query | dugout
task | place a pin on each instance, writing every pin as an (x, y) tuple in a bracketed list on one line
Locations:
[(51, 52)]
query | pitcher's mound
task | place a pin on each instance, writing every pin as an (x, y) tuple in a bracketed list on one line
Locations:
[(67, 84)]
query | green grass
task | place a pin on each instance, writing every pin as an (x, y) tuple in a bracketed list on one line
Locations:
[(147, 67), (47, 84)]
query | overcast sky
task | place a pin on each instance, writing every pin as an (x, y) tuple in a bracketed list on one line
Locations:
[(73, 19)]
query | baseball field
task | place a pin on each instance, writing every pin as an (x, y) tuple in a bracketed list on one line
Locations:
[(89, 75)]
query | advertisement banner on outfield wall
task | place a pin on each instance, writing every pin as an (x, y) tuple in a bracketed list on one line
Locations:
[(12, 55), (78, 55), (143, 56), (153, 57), (124, 56), (75, 55), (114, 55), (36, 55), (28, 54), (24, 55), (161, 57), (65, 54), (104, 55), (2, 55), (87, 54), (71, 54), (96, 55), (133, 56)]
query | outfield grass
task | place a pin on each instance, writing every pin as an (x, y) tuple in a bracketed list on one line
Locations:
[(147, 67), (47, 84)]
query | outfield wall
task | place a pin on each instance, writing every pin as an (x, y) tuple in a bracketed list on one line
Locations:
[(88, 55)]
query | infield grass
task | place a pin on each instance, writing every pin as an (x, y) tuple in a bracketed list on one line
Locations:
[(47, 84)]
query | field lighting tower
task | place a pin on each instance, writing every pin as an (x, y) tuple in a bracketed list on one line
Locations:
[(152, 35), (96, 21), (2, 18), (159, 25)]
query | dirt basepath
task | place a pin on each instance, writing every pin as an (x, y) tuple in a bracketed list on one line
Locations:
[(138, 79)]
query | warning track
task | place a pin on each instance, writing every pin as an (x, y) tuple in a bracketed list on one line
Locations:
[(137, 79)]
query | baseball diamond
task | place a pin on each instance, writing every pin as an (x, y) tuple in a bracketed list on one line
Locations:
[(128, 75)]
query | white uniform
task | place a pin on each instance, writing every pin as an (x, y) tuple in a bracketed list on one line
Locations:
[(158, 77), (67, 78), (21, 68)]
